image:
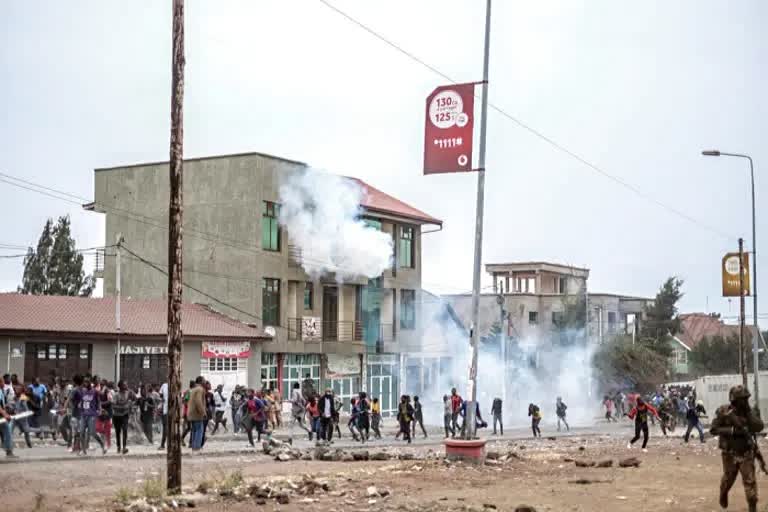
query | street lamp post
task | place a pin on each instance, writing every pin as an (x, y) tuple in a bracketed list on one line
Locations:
[(756, 336)]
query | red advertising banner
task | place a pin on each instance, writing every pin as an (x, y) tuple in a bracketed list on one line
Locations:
[(448, 129), (237, 349)]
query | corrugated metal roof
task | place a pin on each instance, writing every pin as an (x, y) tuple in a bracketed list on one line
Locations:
[(697, 326), (377, 201), (40, 313)]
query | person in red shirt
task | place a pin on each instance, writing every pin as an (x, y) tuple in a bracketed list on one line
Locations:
[(640, 414), (456, 402)]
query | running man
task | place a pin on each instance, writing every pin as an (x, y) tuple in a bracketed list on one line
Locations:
[(418, 418), (535, 413), (640, 414)]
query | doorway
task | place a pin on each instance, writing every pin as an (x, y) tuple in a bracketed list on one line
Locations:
[(330, 330)]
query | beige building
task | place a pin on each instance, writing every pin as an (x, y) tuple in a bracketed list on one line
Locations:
[(348, 335), (536, 295)]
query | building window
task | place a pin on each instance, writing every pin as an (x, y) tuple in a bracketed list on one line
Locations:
[(681, 356), (270, 301), (145, 362), (62, 351), (557, 319), (84, 353), (533, 318), (405, 251), (269, 370), (611, 321), (563, 285), (309, 296), (407, 309), (296, 367), (270, 228)]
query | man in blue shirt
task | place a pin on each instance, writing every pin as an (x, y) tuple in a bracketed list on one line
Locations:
[(39, 392)]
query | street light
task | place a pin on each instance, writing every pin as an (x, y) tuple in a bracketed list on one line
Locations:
[(755, 352)]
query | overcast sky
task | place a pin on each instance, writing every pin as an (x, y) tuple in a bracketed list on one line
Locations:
[(636, 89)]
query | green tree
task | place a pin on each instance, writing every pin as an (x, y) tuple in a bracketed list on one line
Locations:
[(55, 267), (661, 319), (715, 355), (621, 364)]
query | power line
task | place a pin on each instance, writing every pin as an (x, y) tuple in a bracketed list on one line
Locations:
[(88, 250), (188, 231), (529, 128), (194, 289)]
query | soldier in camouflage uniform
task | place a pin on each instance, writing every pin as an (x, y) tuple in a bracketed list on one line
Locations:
[(735, 424)]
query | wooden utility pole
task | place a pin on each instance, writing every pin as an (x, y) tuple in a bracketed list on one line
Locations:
[(742, 354), (175, 210)]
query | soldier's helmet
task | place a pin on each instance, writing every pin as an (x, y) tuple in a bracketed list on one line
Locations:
[(738, 392)]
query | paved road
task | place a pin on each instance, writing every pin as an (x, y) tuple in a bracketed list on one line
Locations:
[(226, 443)]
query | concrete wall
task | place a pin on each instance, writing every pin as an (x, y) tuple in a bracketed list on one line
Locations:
[(222, 239)]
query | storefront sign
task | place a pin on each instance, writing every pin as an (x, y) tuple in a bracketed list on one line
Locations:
[(215, 349), (310, 328), (343, 366), (143, 349)]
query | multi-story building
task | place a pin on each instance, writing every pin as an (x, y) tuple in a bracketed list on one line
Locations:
[(346, 334), (536, 296)]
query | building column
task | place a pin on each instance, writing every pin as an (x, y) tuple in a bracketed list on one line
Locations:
[(254, 367)]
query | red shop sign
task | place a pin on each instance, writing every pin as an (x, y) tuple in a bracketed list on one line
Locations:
[(238, 349), (448, 129)]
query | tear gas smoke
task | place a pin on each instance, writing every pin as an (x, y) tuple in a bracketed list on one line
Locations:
[(537, 372), (321, 212)]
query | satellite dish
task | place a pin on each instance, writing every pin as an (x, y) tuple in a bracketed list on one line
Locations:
[(270, 331)]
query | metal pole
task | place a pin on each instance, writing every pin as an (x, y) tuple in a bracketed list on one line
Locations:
[(470, 410), (756, 334), (9, 356), (742, 361), (503, 341), (118, 285)]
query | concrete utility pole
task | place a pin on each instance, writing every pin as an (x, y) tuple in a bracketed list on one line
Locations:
[(742, 355), (118, 281), (470, 409), (175, 210)]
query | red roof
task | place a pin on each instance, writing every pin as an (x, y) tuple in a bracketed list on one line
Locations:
[(697, 326), (375, 200), (41, 313)]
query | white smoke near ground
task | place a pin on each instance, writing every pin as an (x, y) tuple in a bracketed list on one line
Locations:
[(537, 372), (321, 212)]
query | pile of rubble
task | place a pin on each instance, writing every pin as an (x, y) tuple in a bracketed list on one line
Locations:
[(283, 451)]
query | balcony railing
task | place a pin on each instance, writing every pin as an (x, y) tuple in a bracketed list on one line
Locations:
[(301, 330)]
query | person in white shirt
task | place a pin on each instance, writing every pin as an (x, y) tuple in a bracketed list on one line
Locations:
[(164, 398), (220, 402)]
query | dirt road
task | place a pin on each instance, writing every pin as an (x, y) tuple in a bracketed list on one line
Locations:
[(672, 476)]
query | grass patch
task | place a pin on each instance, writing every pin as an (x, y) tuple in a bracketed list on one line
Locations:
[(153, 489), (125, 495)]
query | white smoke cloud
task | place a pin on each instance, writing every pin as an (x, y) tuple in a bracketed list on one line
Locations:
[(321, 212), (538, 374)]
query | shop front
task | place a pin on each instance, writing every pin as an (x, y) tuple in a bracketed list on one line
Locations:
[(343, 376), (225, 363), (47, 361), (143, 364)]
